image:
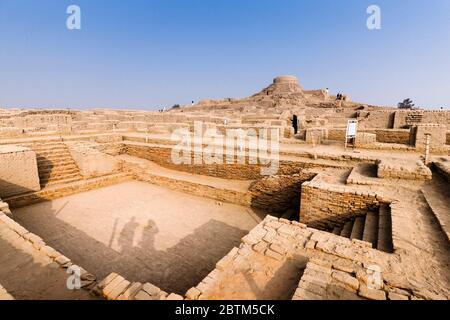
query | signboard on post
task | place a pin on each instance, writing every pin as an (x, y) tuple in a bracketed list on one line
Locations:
[(350, 134)]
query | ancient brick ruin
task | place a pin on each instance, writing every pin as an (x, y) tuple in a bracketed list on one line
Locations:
[(98, 191)]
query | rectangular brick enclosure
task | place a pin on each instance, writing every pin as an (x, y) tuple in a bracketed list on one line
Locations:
[(141, 231)]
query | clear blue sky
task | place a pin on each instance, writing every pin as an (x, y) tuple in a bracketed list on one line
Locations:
[(154, 53)]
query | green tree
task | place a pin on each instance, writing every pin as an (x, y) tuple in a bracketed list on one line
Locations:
[(406, 104)]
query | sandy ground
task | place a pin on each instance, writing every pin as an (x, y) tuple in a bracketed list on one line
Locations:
[(28, 274), (143, 232)]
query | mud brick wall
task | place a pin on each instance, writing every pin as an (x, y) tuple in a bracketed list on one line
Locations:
[(113, 149), (364, 139), (162, 156), (400, 136), (438, 117), (447, 140), (278, 194), (412, 170), (18, 170), (443, 167), (438, 136), (382, 119), (64, 190), (336, 134), (196, 189), (325, 207)]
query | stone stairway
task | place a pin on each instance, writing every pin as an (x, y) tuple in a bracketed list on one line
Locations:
[(374, 227), (55, 164)]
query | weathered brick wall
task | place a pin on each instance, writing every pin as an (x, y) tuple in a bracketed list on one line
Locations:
[(336, 134), (65, 190), (113, 149), (400, 136), (439, 117), (162, 156), (325, 207), (18, 170), (201, 190), (365, 139), (403, 169), (382, 119), (278, 194), (443, 167), (437, 139)]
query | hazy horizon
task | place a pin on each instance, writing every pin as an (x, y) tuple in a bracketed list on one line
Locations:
[(146, 55)]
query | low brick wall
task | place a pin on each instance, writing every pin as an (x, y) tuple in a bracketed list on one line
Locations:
[(336, 134), (400, 136), (403, 169), (88, 280), (325, 206), (279, 194), (18, 170), (116, 287), (196, 189), (65, 190), (162, 156)]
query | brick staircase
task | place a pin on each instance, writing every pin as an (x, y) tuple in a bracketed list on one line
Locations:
[(374, 227), (55, 164)]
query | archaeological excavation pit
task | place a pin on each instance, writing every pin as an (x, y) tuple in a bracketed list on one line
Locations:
[(105, 195), (144, 232)]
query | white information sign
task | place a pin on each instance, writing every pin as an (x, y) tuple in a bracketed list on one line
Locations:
[(352, 127)]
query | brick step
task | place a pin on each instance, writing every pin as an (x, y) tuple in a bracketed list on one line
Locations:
[(56, 173), (384, 242), (370, 233), (60, 177), (54, 158), (48, 166), (58, 165), (49, 148), (358, 228), (347, 229), (61, 181), (45, 160), (53, 154)]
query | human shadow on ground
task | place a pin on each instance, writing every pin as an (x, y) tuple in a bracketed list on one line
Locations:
[(173, 270)]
